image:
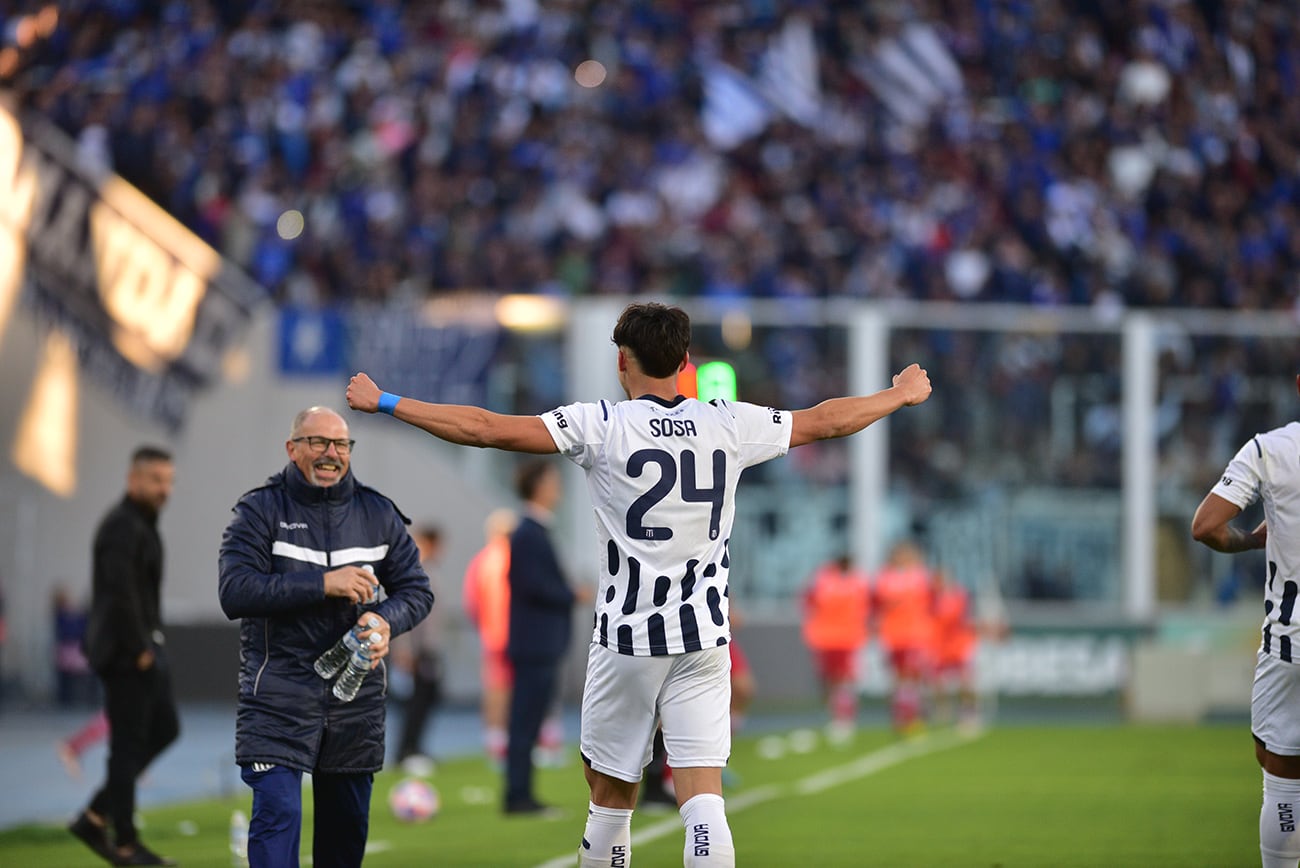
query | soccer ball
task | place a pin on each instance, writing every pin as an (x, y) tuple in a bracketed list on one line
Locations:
[(412, 800)]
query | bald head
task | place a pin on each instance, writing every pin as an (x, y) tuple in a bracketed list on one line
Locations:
[(304, 416)]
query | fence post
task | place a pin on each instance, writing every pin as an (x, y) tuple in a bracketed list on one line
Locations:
[(1140, 457), (869, 450)]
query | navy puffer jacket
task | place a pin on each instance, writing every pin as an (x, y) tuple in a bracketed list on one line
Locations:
[(274, 555)]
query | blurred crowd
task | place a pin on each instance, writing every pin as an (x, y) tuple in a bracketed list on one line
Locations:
[(1083, 152), (1103, 153)]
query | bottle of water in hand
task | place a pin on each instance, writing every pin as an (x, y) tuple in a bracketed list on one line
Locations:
[(328, 664), (345, 689)]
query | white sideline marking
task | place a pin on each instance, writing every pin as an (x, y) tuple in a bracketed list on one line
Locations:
[(862, 767)]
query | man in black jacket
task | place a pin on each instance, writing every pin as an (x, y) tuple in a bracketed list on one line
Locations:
[(124, 644), (541, 618), (304, 560)]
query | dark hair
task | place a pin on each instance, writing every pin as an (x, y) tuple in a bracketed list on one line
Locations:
[(430, 533), (658, 337), (530, 475), (143, 454)]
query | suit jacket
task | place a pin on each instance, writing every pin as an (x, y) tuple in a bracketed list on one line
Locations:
[(541, 602), (126, 569)]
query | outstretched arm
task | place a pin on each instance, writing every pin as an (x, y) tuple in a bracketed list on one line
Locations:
[(457, 423), (1211, 526), (840, 417)]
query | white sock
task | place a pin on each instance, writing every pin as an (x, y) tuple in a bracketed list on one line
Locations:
[(1279, 843), (607, 840), (708, 837)]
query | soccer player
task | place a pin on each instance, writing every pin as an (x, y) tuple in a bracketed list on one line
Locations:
[(487, 602), (662, 472), (903, 597), (955, 639), (1267, 468), (836, 606)]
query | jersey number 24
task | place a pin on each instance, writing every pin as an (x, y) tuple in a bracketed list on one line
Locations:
[(691, 492)]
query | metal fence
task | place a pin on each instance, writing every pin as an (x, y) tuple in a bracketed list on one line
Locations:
[(1059, 460)]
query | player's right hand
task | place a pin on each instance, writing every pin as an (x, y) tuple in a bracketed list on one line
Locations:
[(352, 582), (363, 394), (914, 383)]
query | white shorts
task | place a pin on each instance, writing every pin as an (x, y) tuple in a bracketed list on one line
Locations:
[(1275, 705), (625, 698)]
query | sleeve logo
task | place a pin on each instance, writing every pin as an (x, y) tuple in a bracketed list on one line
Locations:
[(1226, 481), (560, 421)]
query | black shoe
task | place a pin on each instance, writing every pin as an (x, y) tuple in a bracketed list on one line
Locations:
[(532, 807), (658, 797), (141, 855), (92, 835)]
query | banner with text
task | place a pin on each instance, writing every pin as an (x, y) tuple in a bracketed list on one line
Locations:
[(150, 307)]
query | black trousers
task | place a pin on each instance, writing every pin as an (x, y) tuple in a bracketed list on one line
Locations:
[(426, 696), (142, 722), (530, 699)]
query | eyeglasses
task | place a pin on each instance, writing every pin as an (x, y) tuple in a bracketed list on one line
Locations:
[(320, 444)]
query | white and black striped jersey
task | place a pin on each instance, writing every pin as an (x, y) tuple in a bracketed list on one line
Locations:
[(662, 478), (1268, 468)]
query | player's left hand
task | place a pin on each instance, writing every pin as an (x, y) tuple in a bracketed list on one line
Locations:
[(362, 393), (378, 636)]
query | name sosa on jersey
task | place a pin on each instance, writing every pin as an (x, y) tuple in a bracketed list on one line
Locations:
[(672, 428)]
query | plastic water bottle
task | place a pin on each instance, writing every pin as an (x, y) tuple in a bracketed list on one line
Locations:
[(358, 667), (328, 664), (238, 838)]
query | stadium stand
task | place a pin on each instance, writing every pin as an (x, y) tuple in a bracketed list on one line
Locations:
[(1113, 154)]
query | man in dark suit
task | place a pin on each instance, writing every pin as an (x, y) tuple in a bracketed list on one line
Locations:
[(541, 607), (124, 644)]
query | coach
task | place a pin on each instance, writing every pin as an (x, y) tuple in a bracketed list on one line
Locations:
[(299, 564)]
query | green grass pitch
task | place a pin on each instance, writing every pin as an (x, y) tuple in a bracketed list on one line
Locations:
[(1012, 797)]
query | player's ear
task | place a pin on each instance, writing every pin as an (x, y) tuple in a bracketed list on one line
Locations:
[(622, 360), (1297, 383), (686, 360)]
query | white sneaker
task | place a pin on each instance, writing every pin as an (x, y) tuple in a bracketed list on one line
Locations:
[(419, 765)]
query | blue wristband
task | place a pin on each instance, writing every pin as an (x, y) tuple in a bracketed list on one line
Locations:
[(388, 402)]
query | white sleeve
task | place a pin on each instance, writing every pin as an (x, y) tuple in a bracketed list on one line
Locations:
[(1241, 480), (577, 430), (764, 432)]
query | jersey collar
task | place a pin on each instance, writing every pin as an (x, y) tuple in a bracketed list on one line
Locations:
[(661, 402)]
